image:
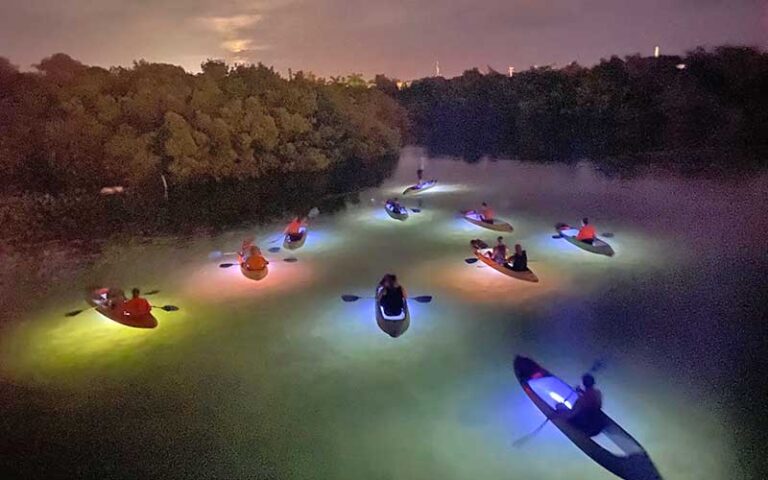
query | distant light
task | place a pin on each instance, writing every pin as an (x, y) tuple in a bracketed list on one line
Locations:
[(657, 51), (680, 66), (511, 71)]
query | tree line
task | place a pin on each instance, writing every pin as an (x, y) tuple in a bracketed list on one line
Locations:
[(68, 126), (706, 100)]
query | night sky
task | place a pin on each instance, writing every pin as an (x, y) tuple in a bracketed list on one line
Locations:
[(401, 38)]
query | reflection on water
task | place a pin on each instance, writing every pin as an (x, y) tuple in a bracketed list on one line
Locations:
[(279, 378)]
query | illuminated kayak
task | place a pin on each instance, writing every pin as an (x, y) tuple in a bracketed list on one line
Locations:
[(98, 299), (257, 274), (420, 187), (292, 243), (624, 457), (598, 246), (394, 326), (401, 214), (482, 254), (495, 224)]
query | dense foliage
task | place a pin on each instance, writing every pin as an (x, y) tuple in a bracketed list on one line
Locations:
[(68, 126), (706, 100)]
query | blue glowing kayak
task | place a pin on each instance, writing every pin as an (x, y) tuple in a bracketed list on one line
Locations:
[(398, 214), (420, 187), (616, 451), (394, 326), (292, 243)]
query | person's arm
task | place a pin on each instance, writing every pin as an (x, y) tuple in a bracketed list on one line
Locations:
[(380, 293), (405, 294), (577, 408)]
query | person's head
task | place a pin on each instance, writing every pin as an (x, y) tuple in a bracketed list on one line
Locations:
[(518, 248), (393, 279), (585, 221), (484, 205), (135, 293), (500, 240), (588, 381)]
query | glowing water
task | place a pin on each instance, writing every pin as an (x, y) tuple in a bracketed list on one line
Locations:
[(279, 378)]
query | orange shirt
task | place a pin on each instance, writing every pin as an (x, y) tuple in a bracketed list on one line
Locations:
[(587, 232), (487, 213), (294, 228), (256, 262), (136, 306)]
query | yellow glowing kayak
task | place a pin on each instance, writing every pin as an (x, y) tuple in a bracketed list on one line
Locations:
[(506, 269), (98, 298), (598, 246), (495, 224)]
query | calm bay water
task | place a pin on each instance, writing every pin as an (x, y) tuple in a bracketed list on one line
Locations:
[(281, 379)]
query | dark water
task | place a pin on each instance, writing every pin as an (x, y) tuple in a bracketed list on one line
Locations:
[(280, 379)]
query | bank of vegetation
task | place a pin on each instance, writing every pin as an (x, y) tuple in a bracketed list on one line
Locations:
[(707, 106)]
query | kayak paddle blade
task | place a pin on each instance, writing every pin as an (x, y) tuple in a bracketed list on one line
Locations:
[(608, 234), (423, 299), (169, 308), (215, 254), (227, 265), (274, 249), (470, 261), (73, 313), (416, 210), (152, 292), (291, 259), (314, 212), (350, 298)]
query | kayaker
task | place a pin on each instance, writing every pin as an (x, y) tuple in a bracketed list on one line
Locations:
[(420, 174), (294, 228), (254, 259), (396, 206), (587, 232), (587, 414), (245, 248), (486, 213), (519, 259), (115, 297), (391, 295), (499, 253), (136, 306)]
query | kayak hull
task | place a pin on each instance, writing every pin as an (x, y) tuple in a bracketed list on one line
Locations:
[(291, 244), (254, 274), (419, 187), (633, 463), (402, 215), (118, 315), (497, 225), (526, 276), (393, 328), (599, 246)]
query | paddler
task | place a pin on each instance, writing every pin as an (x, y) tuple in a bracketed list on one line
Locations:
[(486, 213), (136, 306), (499, 253), (396, 206), (294, 228), (587, 414), (391, 295), (519, 259), (254, 260), (587, 233)]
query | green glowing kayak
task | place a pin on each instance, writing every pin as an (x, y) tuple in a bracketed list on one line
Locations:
[(495, 224), (401, 214), (616, 451), (98, 298), (598, 246), (394, 326)]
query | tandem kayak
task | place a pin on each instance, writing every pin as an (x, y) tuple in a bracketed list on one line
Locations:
[(420, 187), (626, 458), (506, 269), (98, 298), (394, 326), (496, 224), (401, 214), (293, 243), (598, 246)]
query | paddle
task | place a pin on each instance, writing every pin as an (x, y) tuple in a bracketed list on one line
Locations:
[(354, 298), (167, 308), (78, 312), (273, 249), (216, 254), (288, 260), (596, 366), (470, 261)]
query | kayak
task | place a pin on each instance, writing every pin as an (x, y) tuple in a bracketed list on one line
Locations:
[(598, 246), (626, 458), (496, 224), (252, 274), (420, 187), (506, 269), (295, 243), (393, 326), (98, 299), (397, 215)]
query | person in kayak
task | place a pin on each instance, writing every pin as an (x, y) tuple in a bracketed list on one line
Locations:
[(396, 206), (136, 306), (519, 259), (587, 232), (253, 259), (391, 296), (587, 414), (486, 213), (294, 228), (499, 253)]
